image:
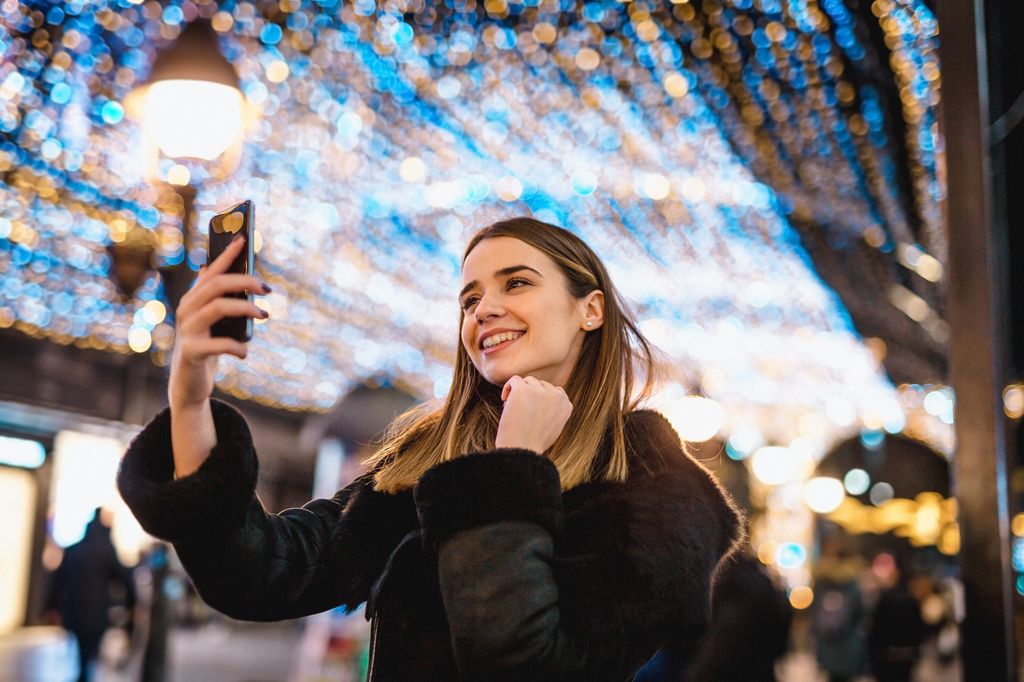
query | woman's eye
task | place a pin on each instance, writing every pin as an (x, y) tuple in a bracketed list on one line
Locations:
[(473, 299)]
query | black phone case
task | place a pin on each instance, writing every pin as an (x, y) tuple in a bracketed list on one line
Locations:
[(223, 228)]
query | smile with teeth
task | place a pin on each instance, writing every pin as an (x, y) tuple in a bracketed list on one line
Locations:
[(503, 339)]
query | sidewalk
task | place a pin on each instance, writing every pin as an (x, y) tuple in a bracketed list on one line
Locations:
[(801, 667), (256, 652), (214, 653)]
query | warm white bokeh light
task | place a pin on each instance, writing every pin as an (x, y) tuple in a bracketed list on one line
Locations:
[(193, 119), (154, 312), (413, 169), (823, 494), (139, 339), (178, 175), (696, 419), (508, 188), (656, 186), (773, 465)]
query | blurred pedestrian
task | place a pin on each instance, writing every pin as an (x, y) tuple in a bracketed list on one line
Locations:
[(897, 628), (838, 614), (83, 591)]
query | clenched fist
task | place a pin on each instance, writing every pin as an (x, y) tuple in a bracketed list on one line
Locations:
[(534, 414)]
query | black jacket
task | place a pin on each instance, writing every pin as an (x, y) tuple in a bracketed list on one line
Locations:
[(750, 614), (484, 571), (82, 585)]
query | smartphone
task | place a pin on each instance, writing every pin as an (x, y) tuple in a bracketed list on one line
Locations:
[(224, 227)]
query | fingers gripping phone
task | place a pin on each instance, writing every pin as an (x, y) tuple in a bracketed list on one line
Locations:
[(224, 227)]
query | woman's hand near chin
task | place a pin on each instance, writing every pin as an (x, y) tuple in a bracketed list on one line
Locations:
[(534, 414)]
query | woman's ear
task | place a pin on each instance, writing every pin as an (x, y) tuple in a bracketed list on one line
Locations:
[(592, 310)]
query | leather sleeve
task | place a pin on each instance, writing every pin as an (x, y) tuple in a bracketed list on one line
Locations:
[(491, 517), (502, 601), (244, 561), (596, 609)]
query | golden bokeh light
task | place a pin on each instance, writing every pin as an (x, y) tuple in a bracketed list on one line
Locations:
[(801, 597)]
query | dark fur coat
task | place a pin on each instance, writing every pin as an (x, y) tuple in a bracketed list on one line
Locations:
[(486, 570)]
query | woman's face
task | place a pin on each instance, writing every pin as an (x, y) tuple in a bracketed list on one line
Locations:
[(513, 288)]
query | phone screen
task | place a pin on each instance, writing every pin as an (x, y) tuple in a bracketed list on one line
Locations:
[(224, 227)]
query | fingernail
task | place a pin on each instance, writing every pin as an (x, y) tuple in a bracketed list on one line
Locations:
[(238, 238), (266, 288), (264, 314)]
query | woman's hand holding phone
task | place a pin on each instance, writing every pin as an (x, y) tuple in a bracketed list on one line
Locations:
[(196, 352), (534, 414)]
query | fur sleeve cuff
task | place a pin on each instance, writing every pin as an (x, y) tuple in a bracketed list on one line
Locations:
[(477, 489), (213, 498)]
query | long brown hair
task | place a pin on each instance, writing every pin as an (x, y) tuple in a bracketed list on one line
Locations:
[(602, 386)]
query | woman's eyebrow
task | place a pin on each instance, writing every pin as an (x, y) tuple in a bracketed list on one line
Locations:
[(500, 273)]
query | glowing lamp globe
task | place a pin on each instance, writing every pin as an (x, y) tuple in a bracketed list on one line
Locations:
[(191, 106), (193, 118)]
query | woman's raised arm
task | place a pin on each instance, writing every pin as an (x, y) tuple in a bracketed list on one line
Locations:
[(244, 561), (196, 354)]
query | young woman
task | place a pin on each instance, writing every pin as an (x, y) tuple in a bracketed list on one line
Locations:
[(537, 526)]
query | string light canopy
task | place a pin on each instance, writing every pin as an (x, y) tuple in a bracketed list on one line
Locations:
[(698, 147)]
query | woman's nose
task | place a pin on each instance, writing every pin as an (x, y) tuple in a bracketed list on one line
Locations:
[(487, 306)]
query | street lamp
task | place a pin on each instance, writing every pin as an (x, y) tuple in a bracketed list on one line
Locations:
[(190, 108)]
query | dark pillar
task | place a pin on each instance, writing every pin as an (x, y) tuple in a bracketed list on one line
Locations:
[(977, 304), (154, 655), (178, 278)]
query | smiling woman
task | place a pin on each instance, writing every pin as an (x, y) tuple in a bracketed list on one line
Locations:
[(537, 526), (547, 299), (551, 350)]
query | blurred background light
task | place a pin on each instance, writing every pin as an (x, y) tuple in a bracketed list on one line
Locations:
[(85, 467), (801, 597), (389, 134), (857, 481), (21, 452), (823, 494), (695, 418), (881, 492), (790, 555), (773, 465)]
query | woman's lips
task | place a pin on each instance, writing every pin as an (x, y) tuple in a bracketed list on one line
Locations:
[(503, 344)]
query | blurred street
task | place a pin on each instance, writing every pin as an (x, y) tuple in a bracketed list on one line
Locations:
[(266, 653), (216, 652)]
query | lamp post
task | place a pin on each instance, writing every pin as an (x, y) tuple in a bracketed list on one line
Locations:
[(191, 108)]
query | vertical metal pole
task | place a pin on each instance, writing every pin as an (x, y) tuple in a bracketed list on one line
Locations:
[(178, 278), (977, 299), (154, 655)]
